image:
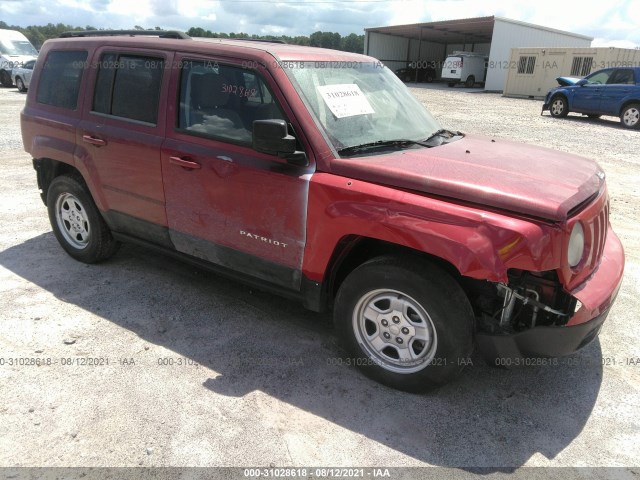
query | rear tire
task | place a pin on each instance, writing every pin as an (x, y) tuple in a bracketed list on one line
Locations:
[(76, 221), (630, 116), (404, 322), (471, 81), (5, 79), (558, 107)]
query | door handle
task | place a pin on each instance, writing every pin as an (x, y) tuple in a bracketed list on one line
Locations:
[(184, 163), (98, 142)]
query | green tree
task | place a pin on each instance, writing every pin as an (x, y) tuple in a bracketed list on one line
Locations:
[(315, 39), (38, 34), (353, 43), (301, 40), (325, 40), (35, 36), (195, 32)]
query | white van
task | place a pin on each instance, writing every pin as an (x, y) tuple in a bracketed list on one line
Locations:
[(15, 51), (464, 67)]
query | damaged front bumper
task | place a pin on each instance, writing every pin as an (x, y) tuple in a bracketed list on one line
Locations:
[(596, 296)]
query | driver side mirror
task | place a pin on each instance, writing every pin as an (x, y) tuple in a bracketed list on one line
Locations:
[(272, 137), (581, 83)]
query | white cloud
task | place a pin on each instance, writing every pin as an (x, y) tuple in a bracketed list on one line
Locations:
[(76, 5), (611, 22), (135, 12), (197, 8), (603, 42)]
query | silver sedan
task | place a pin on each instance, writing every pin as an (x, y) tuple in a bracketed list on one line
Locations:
[(21, 75)]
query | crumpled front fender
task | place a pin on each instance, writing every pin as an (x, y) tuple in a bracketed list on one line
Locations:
[(479, 243)]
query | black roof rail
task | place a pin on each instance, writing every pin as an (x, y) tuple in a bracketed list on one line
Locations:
[(274, 40), (131, 33)]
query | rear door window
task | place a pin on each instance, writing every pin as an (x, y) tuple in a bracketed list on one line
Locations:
[(60, 78), (128, 86), (622, 77)]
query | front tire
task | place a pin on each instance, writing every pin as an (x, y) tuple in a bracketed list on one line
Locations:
[(405, 322), (630, 116), (20, 85), (559, 108), (76, 221)]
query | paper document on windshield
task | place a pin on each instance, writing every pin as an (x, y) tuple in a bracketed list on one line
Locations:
[(345, 100)]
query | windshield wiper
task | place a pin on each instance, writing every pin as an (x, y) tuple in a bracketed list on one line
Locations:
[(381, 144)]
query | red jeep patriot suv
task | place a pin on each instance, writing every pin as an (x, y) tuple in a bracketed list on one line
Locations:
[(317, 175)]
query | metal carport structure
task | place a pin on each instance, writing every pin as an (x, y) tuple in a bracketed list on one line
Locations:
[(398, 45)]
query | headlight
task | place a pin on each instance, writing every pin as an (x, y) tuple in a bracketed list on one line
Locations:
[(576, 245)]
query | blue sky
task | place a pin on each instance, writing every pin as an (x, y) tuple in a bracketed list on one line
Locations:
[(611, 23)]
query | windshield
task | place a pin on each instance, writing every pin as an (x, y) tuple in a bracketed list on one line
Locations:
[(361, 103), (17, 47), (599, 78)]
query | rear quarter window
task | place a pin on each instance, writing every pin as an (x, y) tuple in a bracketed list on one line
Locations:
[(60, 78)]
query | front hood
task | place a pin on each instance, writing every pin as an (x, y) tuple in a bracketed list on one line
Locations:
[(512, 176), (567, 81)]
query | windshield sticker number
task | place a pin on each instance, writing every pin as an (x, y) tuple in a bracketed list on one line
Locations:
[(345, 100), (239, 90)]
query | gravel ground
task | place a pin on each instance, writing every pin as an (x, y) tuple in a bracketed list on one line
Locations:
[(194, 370)]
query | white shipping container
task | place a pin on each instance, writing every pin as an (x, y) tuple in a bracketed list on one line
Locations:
[(551, 63)]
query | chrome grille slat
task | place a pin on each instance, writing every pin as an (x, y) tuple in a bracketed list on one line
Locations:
[(595, 241), (606, 223), (603, 231), (589, 239), (595, 222), (598, 232)]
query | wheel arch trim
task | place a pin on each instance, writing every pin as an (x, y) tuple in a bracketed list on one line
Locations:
[(627, 102), (48, 169)]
